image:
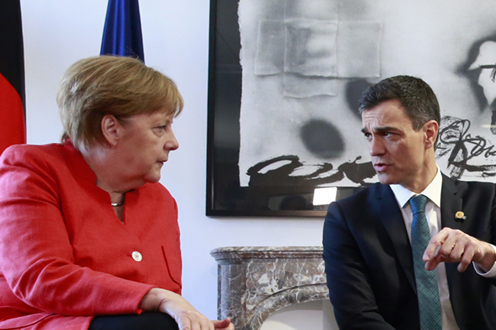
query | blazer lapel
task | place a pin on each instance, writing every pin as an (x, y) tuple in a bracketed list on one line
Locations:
[(392, 220)]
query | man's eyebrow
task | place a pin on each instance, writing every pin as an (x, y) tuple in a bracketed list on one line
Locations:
[(380, 129)]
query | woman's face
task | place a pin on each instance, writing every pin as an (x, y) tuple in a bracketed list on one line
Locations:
[(145, 144)]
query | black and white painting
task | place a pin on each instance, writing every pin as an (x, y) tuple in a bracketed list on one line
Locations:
[(306, 62)]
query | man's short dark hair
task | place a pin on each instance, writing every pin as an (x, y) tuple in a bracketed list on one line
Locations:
[(414, 94)]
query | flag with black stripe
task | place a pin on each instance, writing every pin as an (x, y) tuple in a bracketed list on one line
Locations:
[(12, 109)]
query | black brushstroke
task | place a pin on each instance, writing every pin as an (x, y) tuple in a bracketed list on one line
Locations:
[(354, 90), (324, 173), (461, 147), (322, 139), (473, 75)]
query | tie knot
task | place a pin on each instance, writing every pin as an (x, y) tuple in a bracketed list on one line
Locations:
[(418, 204)]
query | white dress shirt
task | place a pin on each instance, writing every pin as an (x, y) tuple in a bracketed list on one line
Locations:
[(433, 215)]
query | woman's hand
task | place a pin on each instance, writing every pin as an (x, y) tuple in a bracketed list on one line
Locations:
[(223, 325), (186, 316)]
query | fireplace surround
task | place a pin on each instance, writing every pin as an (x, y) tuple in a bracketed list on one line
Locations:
[(254, 282)]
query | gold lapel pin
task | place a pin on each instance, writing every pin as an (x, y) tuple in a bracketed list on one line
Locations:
[(460, 215)]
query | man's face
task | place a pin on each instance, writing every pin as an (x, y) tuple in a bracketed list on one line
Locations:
[(398, 151)]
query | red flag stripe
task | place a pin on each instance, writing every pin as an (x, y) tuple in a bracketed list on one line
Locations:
[(12, 129)]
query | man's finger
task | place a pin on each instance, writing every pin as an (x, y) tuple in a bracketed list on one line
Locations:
[(433, 262), (466, 258), (435, 244)]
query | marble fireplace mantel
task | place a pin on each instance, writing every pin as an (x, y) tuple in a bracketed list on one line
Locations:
[(257, 281)]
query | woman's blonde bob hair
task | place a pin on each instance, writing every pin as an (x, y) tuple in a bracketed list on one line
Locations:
[(111, 85)]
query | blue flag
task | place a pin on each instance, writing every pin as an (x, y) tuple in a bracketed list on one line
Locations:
[(122, 31)]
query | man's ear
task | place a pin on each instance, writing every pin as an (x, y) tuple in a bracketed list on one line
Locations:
[(110, 129), (431, 129)]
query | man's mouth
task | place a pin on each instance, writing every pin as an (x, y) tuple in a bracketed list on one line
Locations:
[(380, 167)]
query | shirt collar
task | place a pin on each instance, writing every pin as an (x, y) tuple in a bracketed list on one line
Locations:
[(432, 191)]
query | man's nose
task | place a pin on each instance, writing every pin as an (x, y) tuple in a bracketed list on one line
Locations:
[(376, 147)]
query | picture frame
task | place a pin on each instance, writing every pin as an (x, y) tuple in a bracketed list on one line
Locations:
[(262, 160), (225, 196)]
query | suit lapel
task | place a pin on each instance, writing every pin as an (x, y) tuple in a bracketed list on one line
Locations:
[(450, 204), (390, 214), (392, 220)]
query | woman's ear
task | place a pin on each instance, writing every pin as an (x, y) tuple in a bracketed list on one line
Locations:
[(110, 129), (431, 129)]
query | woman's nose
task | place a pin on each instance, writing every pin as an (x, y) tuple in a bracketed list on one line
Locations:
[(172, 143)]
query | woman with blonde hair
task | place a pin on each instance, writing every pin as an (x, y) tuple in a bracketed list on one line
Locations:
[(88, 236)]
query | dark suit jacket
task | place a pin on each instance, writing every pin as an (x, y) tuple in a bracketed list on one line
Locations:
[(369, 264)]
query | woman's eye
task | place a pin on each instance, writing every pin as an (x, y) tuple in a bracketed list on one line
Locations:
[(160, 129)]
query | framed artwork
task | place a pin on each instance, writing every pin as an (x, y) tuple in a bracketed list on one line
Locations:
[(285, 77)]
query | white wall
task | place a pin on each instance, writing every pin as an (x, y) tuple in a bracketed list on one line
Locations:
[(59, 32)]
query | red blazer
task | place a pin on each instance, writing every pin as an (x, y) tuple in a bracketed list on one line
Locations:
[(64, 254)]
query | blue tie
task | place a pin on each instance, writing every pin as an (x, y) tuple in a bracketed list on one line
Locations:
[(426, 281)]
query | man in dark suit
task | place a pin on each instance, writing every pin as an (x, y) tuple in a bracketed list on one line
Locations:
[(368, 237)]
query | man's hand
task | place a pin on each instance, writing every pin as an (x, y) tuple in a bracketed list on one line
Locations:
[(451, 245)]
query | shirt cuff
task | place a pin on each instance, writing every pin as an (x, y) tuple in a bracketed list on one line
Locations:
[(491, 273)]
